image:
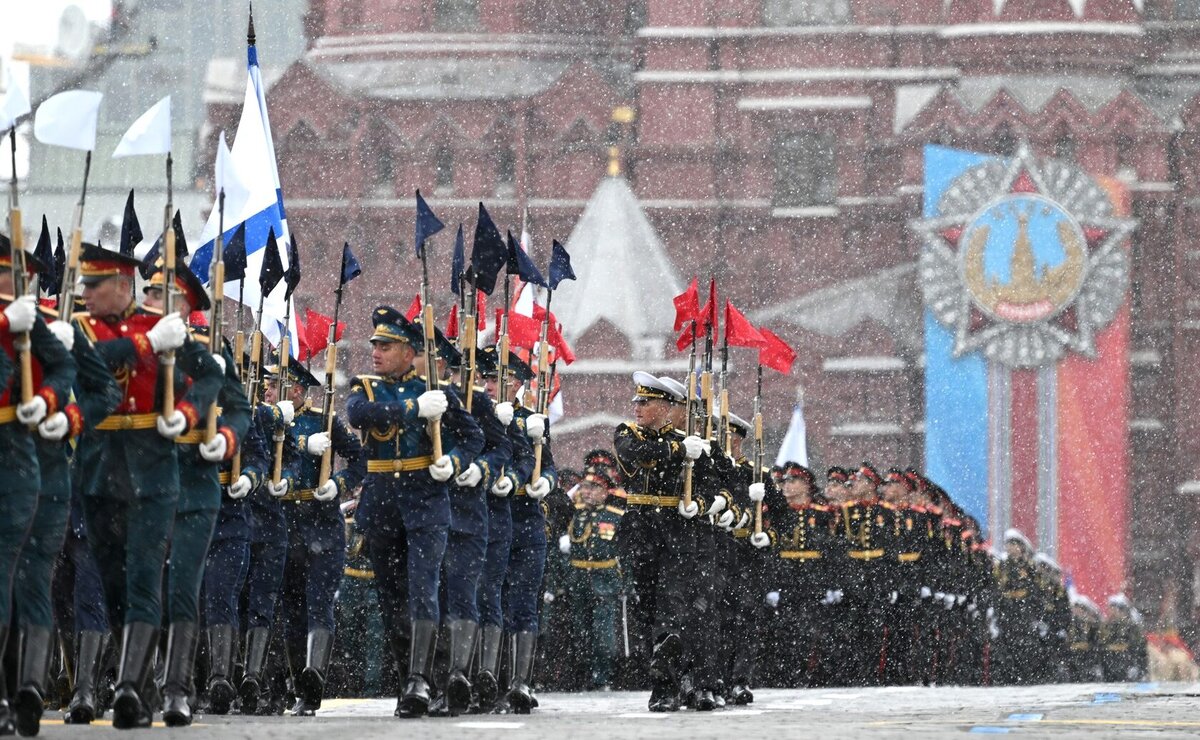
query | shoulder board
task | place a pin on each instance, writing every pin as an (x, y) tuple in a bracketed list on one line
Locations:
[(368, 377), (615, 510)]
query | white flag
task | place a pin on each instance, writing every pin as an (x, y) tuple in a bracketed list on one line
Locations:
[(68, 119), (795, 442), (16, 102), (149, 134)]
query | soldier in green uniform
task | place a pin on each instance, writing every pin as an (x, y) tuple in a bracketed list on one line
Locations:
[(595, 580), (130, 466), (33, 507), (199, 498)]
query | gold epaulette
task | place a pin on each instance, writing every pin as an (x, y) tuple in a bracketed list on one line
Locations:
[(615, 510)]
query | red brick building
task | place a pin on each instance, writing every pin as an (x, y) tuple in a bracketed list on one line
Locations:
[(775, 145)]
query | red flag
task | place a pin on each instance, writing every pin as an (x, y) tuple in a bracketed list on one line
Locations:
[(708, 314), (686, 338), (739, 332), (304, 351), (318, 331), (776, 355), (481, 310), (523, 331), (687, 305), (414, 308), (452, 323)]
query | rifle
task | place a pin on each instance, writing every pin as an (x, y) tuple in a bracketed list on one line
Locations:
[(21, 342), (543, 381), (216, 320), (285, 386), (431, 356), (70, 276), (327, 412), (758, 450), (689, 465), (166, 361)]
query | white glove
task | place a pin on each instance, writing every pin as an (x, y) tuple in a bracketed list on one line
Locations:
[(925, 592), (443, 467), (772, 599), (535, 427), (829, 599), (171, 426), (64, 333), (718, 505), (539, 489), (469, 477), (214, 450), (564, 544), (548, 597), (502, 487), (948, 601), (327, 492), (318, 443), (288, 410), (167, 334), (960, 599), (55, 426), (689, 511), (220, 360), (21, 314), (432, 404), (278, 490), (694, 447), (726, 519), (240, 488), (758, 491), (33, 411), (504, 412), (760, 540), (838, 596), (745, 520), (893, 597)]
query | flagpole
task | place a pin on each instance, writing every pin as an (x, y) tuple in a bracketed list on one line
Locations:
[(216, 321), (502, 348), (284, 386), (66, 290), (723, 428), (758, 448), (167, 359), (17, 238), (543, 395), (469, 339), (431, 369), (327, 412), (706, 380), (690, 424)]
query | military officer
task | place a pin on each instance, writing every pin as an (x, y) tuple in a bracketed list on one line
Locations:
[(656, 540), (42, 518), (404, 510), (466, 547), (316, 541), (596, 580), (200, 460), (130, 467), (499, 536)]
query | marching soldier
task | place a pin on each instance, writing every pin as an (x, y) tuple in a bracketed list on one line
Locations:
[(1054, 621), (467, 543), (268, 547), (527, 556), (866, 526), (500, 523), (656, 540), (595, 578), (130, 467), (316, 542), (404, 510), (1017, 610), (35, 515), (908, 553), (1123, 653), (200, 460), (1083, 636)]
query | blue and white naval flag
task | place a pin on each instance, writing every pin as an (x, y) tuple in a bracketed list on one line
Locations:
[(795, 442), (256, 200)]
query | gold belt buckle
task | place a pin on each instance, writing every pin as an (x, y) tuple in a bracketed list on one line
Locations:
[(127, 422)]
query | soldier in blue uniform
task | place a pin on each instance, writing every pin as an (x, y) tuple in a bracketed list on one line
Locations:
[(268, 544), (499, 542), (199, 499), (130, 466), (404, 510), (527, 557), (43, 518), (467, 544), (227, 563), (316, 542)]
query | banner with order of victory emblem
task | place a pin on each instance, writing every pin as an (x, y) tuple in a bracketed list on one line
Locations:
[(1025, 270)]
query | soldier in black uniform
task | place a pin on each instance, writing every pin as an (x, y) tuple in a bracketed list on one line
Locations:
[(1017, 611), (1122, 642), (658, 540), (866, 527), (1083, 641)]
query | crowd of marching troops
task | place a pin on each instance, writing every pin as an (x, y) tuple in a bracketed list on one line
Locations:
[(165, 498)]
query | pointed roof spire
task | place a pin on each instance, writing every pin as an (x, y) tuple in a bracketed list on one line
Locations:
[(250, 30)]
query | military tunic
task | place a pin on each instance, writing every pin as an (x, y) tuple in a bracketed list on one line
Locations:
[(527, 558), (595, 586)]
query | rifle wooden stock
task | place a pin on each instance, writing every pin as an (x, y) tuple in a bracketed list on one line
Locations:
[(431, 370), (723, 432), (758, 451), (706, 393), (543, 394), (21, 343), (690, 424), (215, 335), (283, 386), (167, 359), (469, 342), (502, 351)]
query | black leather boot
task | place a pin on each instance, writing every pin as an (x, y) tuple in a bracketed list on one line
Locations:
[(181, 655), (462, 645), (138, 644), (414, 700), (310, 682), (520, 693), (63, 688), (221, 646), (664, 674), (88, 659), (28, 704), (487, 685), (257, 640)]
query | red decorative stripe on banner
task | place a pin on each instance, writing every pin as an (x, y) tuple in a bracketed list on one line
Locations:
[(1024, 453)]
